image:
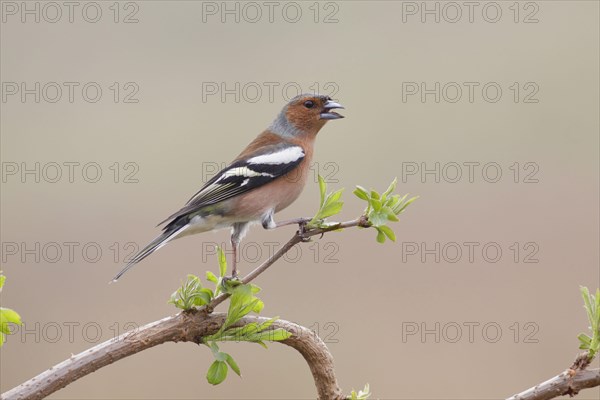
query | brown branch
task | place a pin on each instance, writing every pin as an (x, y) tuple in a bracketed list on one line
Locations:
[(188, 326), (192, 327), (569, 382)]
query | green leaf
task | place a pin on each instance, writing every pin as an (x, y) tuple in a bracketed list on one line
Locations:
[(322, 190), (330, 210), (378, 218), (4, 329), (239, 333), (388, 232), (222, 261), (258, 307), (214, 347), (390, 214), (211, 277), (383, 209), (335, 196), (201, 297), (390, 188), (255, 289), (269, 335), (217, 372), (376, 204), (221, 356), (279, 334), (380, 235), (406, 204), (246, 331), (267, 323), (9, 316), (191, 294), (242, 301), (329, 205), (361, 193), (231, 362), (592, 307), (362, 394), (585, 341)]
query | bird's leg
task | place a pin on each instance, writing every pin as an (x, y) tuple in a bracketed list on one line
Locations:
[(238, 231), (235, 244)]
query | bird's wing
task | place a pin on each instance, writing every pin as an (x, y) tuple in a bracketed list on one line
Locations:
[(257, 169)]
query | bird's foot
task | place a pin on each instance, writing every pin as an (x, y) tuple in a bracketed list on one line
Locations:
[(302, 228), (294, 221), (228, 283)]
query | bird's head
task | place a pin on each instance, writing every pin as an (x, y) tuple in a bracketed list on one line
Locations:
[(305, 114)]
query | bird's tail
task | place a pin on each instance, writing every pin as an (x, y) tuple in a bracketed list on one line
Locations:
[(154, 245)]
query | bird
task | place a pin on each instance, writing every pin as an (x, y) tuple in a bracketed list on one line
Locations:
[(266, 177)]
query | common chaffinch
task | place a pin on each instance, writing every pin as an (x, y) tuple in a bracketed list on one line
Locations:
[(265, 178)]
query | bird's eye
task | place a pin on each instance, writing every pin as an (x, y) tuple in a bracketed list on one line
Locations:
[(309, 104)]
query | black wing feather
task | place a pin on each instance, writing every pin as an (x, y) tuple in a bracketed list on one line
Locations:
[(237, 178)]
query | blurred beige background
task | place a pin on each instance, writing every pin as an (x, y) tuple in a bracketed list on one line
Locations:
[(370, 302)]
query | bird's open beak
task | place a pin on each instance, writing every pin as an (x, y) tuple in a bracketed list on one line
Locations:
[(327, 113)]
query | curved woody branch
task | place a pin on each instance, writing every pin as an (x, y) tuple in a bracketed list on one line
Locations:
[(192, 326)]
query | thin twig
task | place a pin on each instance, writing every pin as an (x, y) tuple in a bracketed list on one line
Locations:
[(561, 385), (297, 238), (569, 382)]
